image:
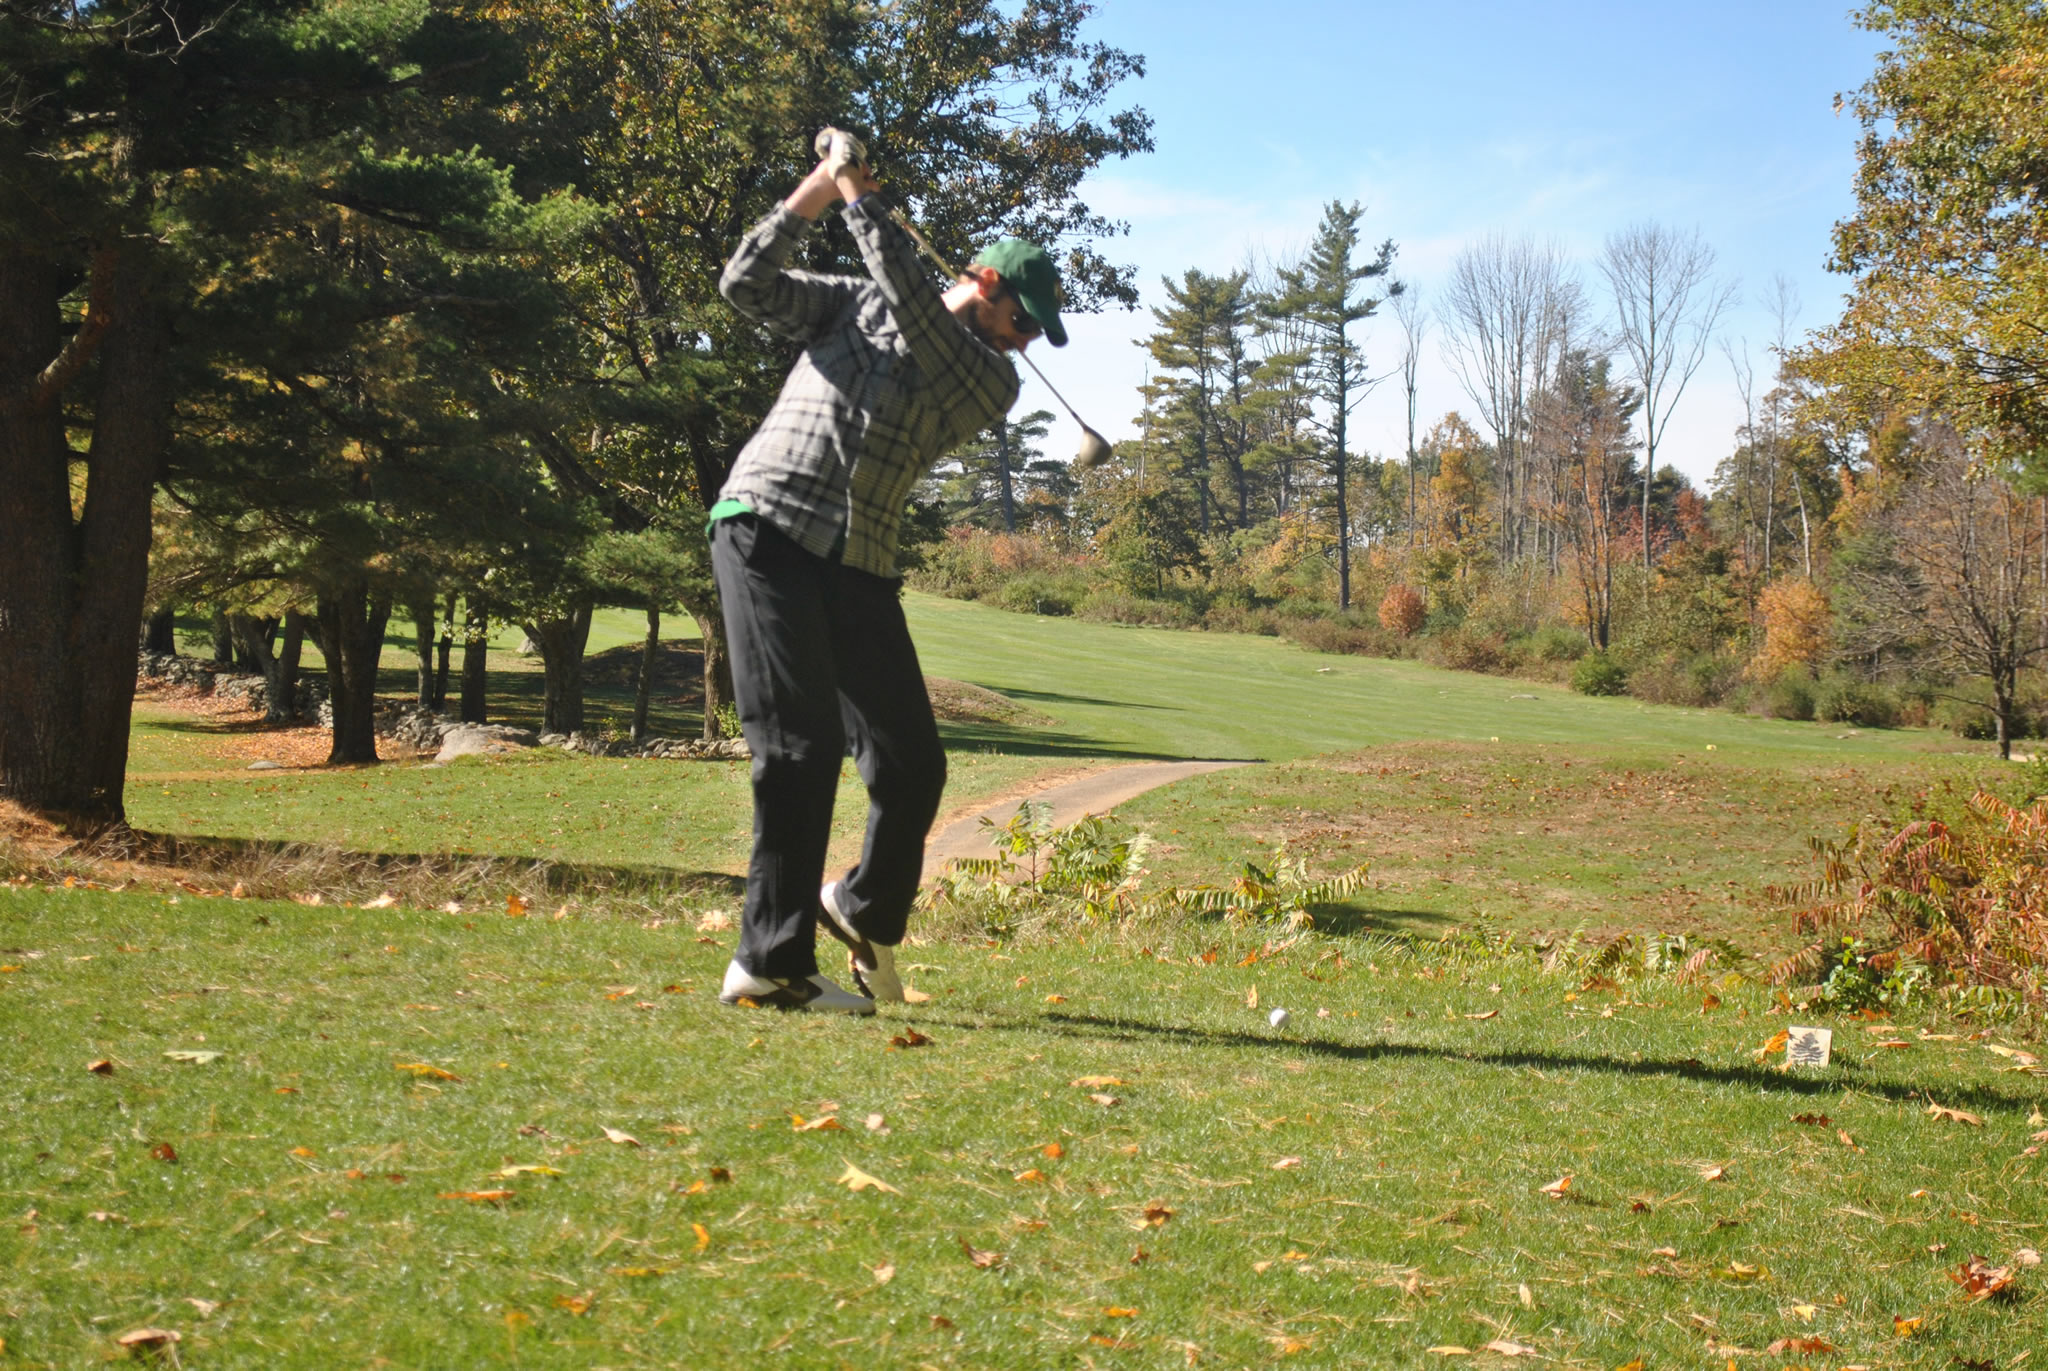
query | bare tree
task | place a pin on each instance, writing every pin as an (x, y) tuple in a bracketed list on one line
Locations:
[(1414, 327), (1503, 313), (1666, 304), (1963, 557)]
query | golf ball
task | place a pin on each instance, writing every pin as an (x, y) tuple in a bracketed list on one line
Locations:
[(1278, 1018)]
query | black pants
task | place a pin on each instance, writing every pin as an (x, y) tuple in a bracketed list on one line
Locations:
[(821, 655)]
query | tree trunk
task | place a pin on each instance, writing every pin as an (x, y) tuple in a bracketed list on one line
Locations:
[(560, 642), (645, 685), (717, 668), (282, 680), (223, 640), (252, 644), (160, 632), (1008, 496), (476, 642), (71, 589), (352, 636), (423, 630), (444, 647)]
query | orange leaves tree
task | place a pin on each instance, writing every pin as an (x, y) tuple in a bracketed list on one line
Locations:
[(1401, 610), (1795, 615)]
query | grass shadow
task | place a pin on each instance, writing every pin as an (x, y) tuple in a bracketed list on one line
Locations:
[(1690, 1068), (1010, 740), (273, 869), (1355, 919), (1056, 697)]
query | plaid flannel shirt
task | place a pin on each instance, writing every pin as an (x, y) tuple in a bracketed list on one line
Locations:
[(888, 383)]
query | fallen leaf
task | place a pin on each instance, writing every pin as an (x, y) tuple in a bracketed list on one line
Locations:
[(941, 1321), (383, 901), (1710, 1003), (979, 1256), (205, 1307), (622, 1139), (1905, 1327), (1525, 1295), (825, 1123), (1106, 1101), (1095, 1082), (1806, 1312), (1775, 1045), (515, 907), (1139, 1256), (912, 995), (1508, 1349), (636, 1272), (1800, 1345), (1558, 1188), (1156, 1215), (579, 1305), (703, 1235), (1981, 1280), (2019, 1057), (164, 1152), (1814, 1120), (853, 1178), (1450, 1350), (1054, 1150), (304, 1152), (720, 1176), (104, 1216), (478, 1196), (1713, 1173), (877, 1124), (1030, 1176), (1287, 1163), (1055, 999), (149, 1339), (909, 1038), (1117, 1311), (2027, 1256), (1664, 1252), (1847, 1141), (102, 1067), (426, 1069), (1937, 1111), (1489, 1014), (1251, 997), (506, 1173), (199, 1057)]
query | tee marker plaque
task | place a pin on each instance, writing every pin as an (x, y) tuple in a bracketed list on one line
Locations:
[(1808, 1046)]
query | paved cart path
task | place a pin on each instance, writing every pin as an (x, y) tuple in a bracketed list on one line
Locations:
[(1095, 792)]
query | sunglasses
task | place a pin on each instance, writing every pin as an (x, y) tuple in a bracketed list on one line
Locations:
[(1021, 322)]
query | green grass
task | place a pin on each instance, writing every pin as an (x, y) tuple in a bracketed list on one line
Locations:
[(691, 819), (1602, 835), (1171, 693), (1413, 1218)]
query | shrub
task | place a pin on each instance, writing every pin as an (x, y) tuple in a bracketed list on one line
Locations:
[(1599, 674), (1790, 696), (1038, 593), (1345, 636), (1556, 643), (1842, 699), (1968, 901), (1465, 650), (1401, 611)]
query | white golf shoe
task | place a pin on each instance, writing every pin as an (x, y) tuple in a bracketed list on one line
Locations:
[(811, 992), (874, 966)]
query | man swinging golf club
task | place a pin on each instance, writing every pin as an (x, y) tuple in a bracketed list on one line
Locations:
[(894, 374)]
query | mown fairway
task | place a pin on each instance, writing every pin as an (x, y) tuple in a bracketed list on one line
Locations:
[(1103, 1156)]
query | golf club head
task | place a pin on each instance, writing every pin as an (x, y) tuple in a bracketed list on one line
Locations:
[(1095, 449), (839, 149)]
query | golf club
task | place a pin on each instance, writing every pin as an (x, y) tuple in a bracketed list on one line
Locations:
[(838, 149)]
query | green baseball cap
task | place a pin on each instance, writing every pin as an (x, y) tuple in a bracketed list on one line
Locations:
[(1027, 270)]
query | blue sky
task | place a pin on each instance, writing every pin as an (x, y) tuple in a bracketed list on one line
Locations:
[(1453, 120)]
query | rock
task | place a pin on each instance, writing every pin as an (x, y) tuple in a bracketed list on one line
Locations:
[(266, 765), (469, 740)]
